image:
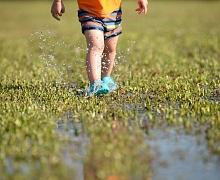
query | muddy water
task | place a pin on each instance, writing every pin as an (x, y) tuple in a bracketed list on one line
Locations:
[(176, 155)]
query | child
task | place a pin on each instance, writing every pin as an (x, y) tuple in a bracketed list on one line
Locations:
[(101, 25)]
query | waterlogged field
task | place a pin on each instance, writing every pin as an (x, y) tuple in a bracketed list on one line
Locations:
[(162, 123)]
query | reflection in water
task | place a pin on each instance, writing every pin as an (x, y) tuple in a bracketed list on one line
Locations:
[(119, 151), (113, 150)]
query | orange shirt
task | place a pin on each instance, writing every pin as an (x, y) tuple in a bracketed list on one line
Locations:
[(101, 8)]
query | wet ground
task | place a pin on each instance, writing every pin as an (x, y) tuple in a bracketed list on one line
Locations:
[(180, 156), (176, 155)]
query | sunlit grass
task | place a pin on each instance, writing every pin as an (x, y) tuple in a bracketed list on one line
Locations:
[(168, 72)]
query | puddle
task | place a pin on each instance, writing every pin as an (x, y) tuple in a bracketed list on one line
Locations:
[(180, 156), (74, 152), (176, 155)]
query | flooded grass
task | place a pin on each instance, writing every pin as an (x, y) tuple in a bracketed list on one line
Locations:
[(164, 117)]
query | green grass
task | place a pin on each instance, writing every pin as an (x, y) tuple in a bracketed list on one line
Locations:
[(167, 67)]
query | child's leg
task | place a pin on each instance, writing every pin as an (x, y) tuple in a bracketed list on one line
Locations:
[(108, 56), (95, 45)]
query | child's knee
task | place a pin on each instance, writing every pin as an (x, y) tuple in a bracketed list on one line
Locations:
[(110, 50)]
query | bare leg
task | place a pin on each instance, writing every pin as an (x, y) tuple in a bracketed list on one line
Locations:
[(108, 56), (95, 45)]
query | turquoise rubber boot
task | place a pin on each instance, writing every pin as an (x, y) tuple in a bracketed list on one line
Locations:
[(98, 88), (110, 82)]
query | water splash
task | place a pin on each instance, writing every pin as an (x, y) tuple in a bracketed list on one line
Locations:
[(56, 53), (62, 57)]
